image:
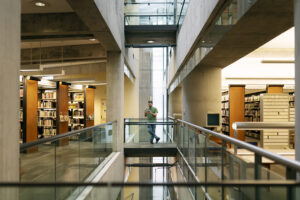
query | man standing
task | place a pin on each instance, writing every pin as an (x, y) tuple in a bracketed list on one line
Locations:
[(151, 113)]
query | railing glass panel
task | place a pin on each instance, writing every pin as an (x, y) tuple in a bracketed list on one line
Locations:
[(212, 158), (138, 130), (69, 157), (154, 12), (113, 191)]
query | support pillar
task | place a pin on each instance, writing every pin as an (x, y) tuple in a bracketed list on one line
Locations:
[(10, 11), (115, 96), (201, 94), (175, 103), (297, 80)]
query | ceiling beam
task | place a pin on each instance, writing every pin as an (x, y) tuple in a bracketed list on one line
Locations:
[(89, 13), (62, 54), (53, 26)]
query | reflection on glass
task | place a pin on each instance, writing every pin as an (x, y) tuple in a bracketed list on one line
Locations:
[(69, 159)]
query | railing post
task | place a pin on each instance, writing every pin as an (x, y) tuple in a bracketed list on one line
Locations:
[(223, 161), (235, 146), (290, 175), (257, 173), (205, 161)]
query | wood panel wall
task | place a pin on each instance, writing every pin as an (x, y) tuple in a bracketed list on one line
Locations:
[(30, 106), (237, 108), (89, 106), (275, 89), (62, 106)]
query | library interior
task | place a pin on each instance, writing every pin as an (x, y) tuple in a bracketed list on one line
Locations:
[(86, 85)]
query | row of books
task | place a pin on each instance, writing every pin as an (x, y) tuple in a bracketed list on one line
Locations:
[(51, 113), (46, 104), (49, 95), (46, 122)]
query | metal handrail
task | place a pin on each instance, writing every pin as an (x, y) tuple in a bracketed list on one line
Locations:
[(150, 123), (225, 183), (25, 146), (262, 125), (257, 150)]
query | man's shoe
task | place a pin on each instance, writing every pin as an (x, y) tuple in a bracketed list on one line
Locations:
[(157, 140), (151, 142)]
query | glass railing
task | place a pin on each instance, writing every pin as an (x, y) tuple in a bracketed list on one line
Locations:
[(207, 156), (145, 190), (69, 157), (138, 130), (153, 12), (206, 167)]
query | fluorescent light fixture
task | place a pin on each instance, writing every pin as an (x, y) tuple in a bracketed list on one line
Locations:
[(47, 78), (99, 84), (83, 81), (46, 73), (278, 61), (30, 70), (65, 64), (150, 41), (76, 87)]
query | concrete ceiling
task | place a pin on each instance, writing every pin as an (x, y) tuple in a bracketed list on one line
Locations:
[(53, 6), (264, 21)]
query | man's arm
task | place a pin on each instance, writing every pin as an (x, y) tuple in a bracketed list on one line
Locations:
[(155, 113)]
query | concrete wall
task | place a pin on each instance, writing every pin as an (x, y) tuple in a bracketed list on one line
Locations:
[(297, 88), (9, 89), (113, 171), (201, 93), (100, 94), (175, 102), (145, 79), (113, 14), (198, 15), (131, 98), (115, 96), (131, 92), (131, 57)]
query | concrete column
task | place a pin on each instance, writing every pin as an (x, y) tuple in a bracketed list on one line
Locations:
[(10, 34), (175, 103), (297, 78), (115, 96), (201, 94), (145, 79)]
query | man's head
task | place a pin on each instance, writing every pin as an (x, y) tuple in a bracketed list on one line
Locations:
[(150, 103)]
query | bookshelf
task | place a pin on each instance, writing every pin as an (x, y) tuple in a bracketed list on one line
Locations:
[(252, 113), (89, 95), (274, 108), (292, 118), (47, 113), (233, 109), (30, 111), (21, 114), (76, 111), (225, 113)]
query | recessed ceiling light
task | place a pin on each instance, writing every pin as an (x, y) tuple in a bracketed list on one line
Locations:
[(92, 39), (150, 41), (40, 3)]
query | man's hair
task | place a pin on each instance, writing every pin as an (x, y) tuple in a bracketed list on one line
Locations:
[(149, 101)]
